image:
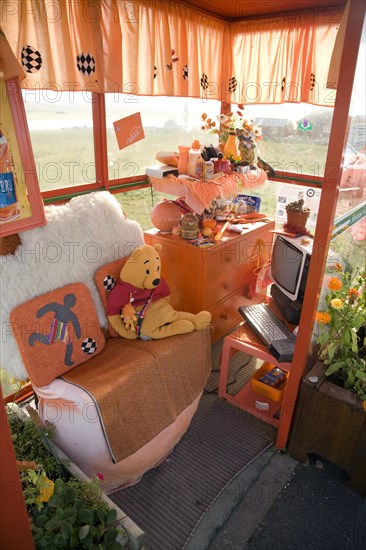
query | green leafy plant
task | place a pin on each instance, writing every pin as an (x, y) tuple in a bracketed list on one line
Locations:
[(342, 330), (68, 520), (64, 512)]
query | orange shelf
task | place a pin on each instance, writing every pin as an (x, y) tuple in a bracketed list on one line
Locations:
[(245, 340), (249, 401)]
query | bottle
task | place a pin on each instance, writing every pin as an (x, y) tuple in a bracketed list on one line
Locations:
[(231, 149), (194, 157), (9, 206), (208, 170), (221, 164), (200, 168), (183, 159)]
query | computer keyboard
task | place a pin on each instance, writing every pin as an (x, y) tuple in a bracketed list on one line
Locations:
[(273, 332)]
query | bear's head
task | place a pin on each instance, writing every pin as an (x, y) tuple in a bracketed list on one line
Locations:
[(143, 267)]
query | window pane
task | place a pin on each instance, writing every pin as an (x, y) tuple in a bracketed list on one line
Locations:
[(61, 130), (353, 180), (137, 205), (349, 229), (167, 122), (294, 136)]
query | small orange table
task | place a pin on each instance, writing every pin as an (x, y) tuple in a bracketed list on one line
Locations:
[(244, 339)]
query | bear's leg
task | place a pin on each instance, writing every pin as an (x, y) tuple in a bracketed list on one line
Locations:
[(202, 319), (171, 329)]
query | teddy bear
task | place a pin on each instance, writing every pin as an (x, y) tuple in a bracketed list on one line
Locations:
[(138, 305)]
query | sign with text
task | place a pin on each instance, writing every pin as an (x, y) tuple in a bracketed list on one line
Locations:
[(128, 130), (289, 192)]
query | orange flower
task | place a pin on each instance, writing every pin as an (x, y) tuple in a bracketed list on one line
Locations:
[(335, 283), (323, 317), (353, 292)]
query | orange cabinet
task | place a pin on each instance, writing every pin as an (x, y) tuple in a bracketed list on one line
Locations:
[(214, 278)]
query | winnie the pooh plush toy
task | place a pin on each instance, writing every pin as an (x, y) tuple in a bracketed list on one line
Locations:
[(138, 305)]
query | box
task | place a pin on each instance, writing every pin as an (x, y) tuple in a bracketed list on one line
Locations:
[(275, 394), (161, 171), (253, 203)]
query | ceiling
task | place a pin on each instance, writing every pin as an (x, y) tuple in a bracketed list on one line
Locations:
[(235, 9)]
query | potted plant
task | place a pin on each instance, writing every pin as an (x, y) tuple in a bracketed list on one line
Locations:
[(330, 418), (342, 331), (64, 511), (297, 213)]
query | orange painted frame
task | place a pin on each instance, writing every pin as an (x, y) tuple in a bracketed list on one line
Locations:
[(329, 197), (37, 217), (15, 529)]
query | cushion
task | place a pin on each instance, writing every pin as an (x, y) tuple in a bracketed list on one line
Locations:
[(56, 332), (105, 279)]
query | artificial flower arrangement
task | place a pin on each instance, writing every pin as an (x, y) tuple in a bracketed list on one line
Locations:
[(342, 330), (231, 126)]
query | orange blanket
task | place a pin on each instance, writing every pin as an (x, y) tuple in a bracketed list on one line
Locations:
[(140, 387)]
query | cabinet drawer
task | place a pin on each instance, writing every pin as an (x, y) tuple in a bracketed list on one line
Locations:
[(225, 315), (230, 256), (226, 284)]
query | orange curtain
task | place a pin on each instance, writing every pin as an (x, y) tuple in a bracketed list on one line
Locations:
[(284, 59), (166, 48)]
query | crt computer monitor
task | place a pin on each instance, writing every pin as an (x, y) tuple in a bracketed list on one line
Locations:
[(289, 266)]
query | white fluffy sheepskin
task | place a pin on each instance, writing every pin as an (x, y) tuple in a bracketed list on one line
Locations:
[(79, 237)]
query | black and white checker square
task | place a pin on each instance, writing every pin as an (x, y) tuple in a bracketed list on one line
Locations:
[(233, 84), (31, 59), (85, 63), (185, 72), (109, 282), (204, 81), (89, 346)]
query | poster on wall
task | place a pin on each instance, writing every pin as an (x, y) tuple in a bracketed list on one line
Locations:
[(9, 206), (290, 192), (128, 130), (14, 203)]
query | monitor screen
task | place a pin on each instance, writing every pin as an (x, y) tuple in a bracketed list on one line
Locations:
[(286, 265)]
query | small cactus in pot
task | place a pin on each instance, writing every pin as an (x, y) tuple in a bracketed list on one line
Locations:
[(297, 213)]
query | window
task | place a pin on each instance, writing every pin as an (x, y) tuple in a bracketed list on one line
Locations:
[(61, 130), (167, 122), (295, 136)]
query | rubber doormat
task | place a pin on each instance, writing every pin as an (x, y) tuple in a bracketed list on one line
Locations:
[(170, 500)]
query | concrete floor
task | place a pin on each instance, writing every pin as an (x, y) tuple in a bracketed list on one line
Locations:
[(288, 506)]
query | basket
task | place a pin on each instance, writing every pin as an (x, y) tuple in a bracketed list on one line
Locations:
[(275, 394)]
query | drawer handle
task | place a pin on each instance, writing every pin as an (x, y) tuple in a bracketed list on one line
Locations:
[(226, 286), (224, 316), (229, 259)]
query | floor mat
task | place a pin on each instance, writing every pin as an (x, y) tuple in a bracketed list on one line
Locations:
[(170, 500)]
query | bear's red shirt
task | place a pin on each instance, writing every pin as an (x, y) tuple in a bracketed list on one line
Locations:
[(120, 296)]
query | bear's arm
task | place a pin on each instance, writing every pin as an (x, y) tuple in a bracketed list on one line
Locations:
[(118, 297)]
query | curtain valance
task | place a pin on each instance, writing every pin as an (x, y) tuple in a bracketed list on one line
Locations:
[(166, 48)]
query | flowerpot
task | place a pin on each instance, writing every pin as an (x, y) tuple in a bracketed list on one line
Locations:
[(330, 421), (297, 218)]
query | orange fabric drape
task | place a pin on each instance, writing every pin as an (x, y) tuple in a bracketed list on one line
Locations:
[(285, 59), (168, 48)]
